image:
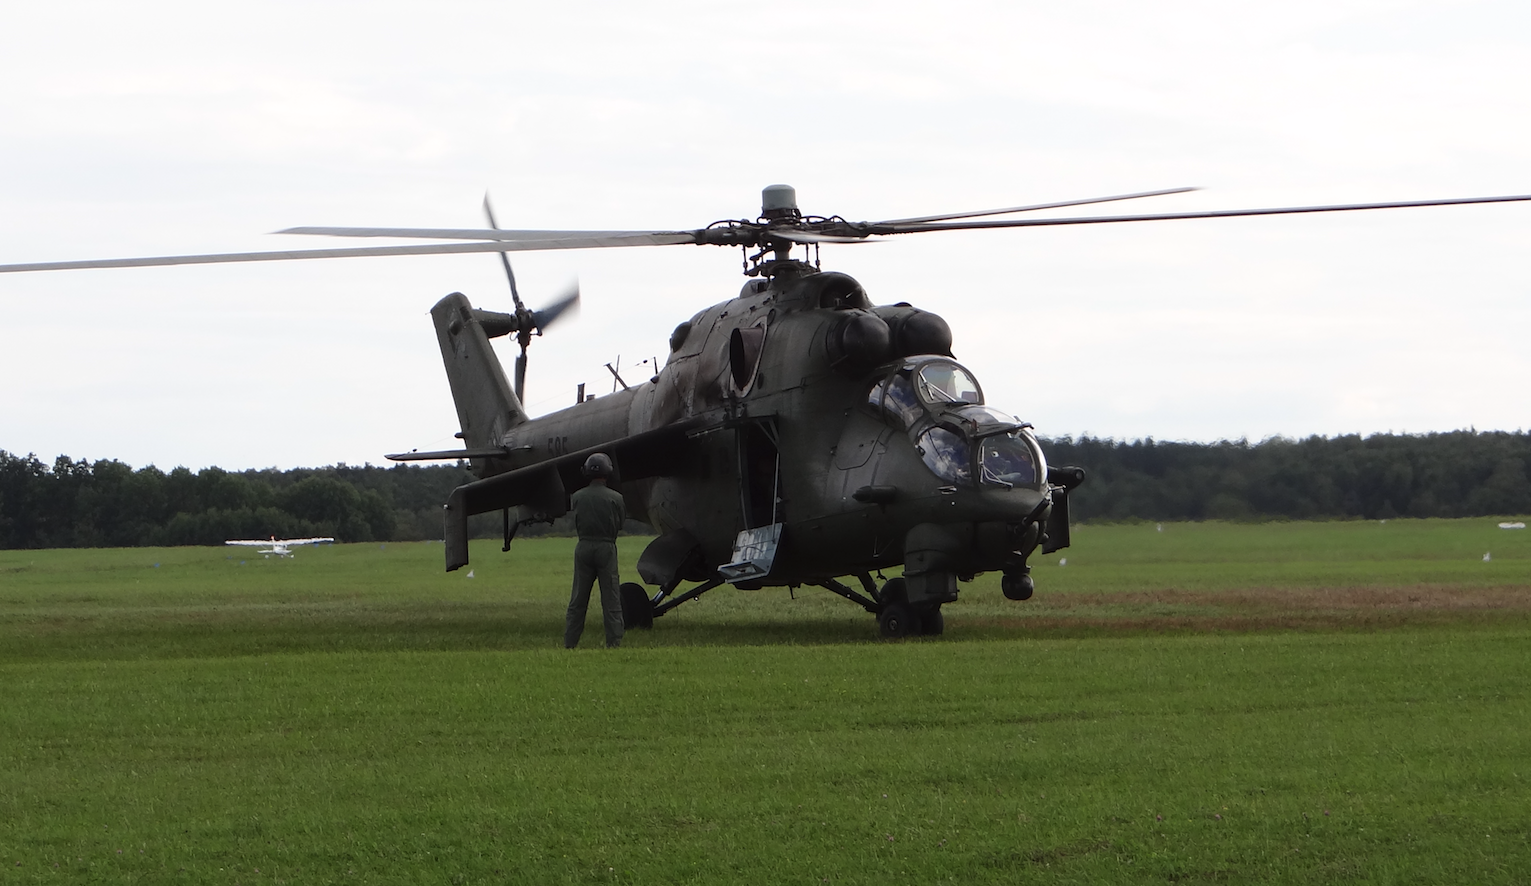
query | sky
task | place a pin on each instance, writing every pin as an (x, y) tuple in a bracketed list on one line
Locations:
[(165, 127)]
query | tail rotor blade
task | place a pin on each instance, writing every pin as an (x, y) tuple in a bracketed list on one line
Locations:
[(526, 322), (510, 275), (521, 377), (567, 304)]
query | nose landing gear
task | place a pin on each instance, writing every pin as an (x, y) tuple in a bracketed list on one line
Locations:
[(899, 618), (896, 620)]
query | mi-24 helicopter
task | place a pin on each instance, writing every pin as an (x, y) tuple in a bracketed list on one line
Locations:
[(797, 434)]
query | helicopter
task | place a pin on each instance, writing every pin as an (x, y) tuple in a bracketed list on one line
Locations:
[(796, 434)]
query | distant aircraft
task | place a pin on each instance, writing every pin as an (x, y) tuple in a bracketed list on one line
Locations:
[(279, 546)]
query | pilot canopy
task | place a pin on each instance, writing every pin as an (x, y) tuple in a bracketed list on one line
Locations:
[(962, 441)]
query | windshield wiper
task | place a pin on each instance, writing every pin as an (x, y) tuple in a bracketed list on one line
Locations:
[(990, 476)]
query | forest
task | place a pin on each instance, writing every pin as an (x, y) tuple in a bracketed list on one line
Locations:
[(110, 504), (1379, 477)]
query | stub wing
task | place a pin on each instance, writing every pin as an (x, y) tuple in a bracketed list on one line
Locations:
[(448, 454), (544, 487)]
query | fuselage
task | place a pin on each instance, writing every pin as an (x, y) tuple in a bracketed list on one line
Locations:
[(798, 422)]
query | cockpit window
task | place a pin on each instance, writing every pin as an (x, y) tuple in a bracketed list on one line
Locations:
[(941, 382), (1007, 461), (895, 398), (946, 454)]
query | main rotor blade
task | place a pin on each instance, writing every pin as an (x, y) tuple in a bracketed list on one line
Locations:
[(460, 233), (843, 232), (1032, 208), (876, 228), (811, 237), (637, 239)]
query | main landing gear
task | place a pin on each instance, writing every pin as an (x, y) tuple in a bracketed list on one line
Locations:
[(639, 609), (896, 616)]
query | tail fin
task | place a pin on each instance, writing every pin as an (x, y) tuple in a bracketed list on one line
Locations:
[(486, 405)]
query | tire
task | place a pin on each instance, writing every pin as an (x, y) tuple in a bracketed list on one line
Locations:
[(897, 620), (637, 609), (932, 622)]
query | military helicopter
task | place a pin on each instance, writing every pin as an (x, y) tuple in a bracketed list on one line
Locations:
[(797, 433)]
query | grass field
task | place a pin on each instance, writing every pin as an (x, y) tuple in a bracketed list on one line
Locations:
[(1289, 703)]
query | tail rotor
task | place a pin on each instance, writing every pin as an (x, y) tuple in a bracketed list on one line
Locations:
[(524, 322)]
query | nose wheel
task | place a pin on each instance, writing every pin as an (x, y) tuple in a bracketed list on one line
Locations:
[(898, 618)]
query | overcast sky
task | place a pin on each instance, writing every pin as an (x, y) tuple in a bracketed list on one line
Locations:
[(165, 127)]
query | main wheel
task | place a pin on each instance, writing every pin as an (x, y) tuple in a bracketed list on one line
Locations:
[(897, 620), (637, 609), (932, 622)]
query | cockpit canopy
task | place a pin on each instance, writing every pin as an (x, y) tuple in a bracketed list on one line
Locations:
[(940, 405), (922, 386), (941, 382)]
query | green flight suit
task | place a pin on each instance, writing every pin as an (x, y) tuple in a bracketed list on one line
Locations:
[(598, 516)]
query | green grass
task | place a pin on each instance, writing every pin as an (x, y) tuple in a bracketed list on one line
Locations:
[(1205, 703), (1227, 556), (178, 602)]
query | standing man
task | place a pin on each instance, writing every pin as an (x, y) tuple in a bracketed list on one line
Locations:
[(598, 517)]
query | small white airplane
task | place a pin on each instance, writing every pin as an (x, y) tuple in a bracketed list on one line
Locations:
[(279, 546)]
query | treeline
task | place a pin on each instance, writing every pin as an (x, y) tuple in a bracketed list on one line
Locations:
[(1456, 474), (110, 504), (76, 504)]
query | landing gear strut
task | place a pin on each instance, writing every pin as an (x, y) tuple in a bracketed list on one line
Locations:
[(896, 616), (932, 622)]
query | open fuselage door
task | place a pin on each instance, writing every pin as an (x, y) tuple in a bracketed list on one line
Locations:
[(759, 455), (759, 473)]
